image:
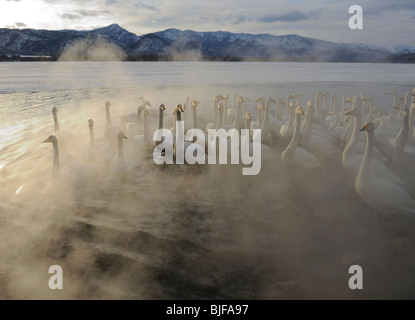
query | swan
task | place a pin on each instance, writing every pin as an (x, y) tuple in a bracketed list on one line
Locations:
[(286, 115), (152, 112), (278, 111), (133, 124), (122, 162), (296, 156), (266, 137), (65, 137), (98, 153), (214, 124), (231, 112), (111, 131), (225, 110), (351, 161), (382, 195), (77, 174), (316, 143), (266, 152), (141, 145), (133, 117), (287, 130), (180, 144), (221, 125), (162, 108)]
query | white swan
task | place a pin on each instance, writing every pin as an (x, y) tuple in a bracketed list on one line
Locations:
[(287, 130), (110, 131), (316, 143), (180, 144), (65, 137), (98, 152), (133, 123), (382, 195), (296, 156), (214, 124), (77, 174), (162, 108), (141, 145), (266, 137), (122, 162), (351, 161)]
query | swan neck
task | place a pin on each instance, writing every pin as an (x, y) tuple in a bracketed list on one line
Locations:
[(402, 136), (194, 118), (220, 120), (364, 171), (108, 124), (265, 121), (291, 117), (309, 126), (56, 122), (355, 135), (161, 119), (215, 112), (55, 171), (289, 151)]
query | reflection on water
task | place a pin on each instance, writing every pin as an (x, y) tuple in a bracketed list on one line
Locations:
[(182, 232)]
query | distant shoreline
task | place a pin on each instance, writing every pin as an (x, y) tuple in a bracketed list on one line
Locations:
[(407, 58)]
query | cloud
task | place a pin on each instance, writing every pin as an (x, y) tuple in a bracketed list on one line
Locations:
[(140, 5), (292, 16), (68, 16), (92, 13), (20, 25), (110, 2)]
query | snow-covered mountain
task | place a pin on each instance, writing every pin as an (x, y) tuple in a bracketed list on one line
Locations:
[(189, 45)]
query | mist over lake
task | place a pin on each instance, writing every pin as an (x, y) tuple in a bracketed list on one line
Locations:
[(192, 232)]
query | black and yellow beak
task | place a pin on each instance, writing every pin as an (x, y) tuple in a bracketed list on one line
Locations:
[(365, 127)]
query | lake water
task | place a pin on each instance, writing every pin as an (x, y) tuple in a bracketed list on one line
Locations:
[(182, 232)]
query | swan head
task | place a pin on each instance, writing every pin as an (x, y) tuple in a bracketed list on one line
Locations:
[(368, 126), (179, 108), (219, 97), (309, 104), (247, 116), (90, 123), (107, 104), (259, 99), (121, 135), (299, 111), (195, 103), (291, 104), (162, 107), (54, 110), (51, 139), (352, 112)]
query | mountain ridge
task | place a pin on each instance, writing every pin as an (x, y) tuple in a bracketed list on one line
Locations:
[(176, 44)]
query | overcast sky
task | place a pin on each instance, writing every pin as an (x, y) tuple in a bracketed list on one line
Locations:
[(386, 22)]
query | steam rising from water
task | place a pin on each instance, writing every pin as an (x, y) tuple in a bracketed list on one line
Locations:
[(92, 50), (185, 232)]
